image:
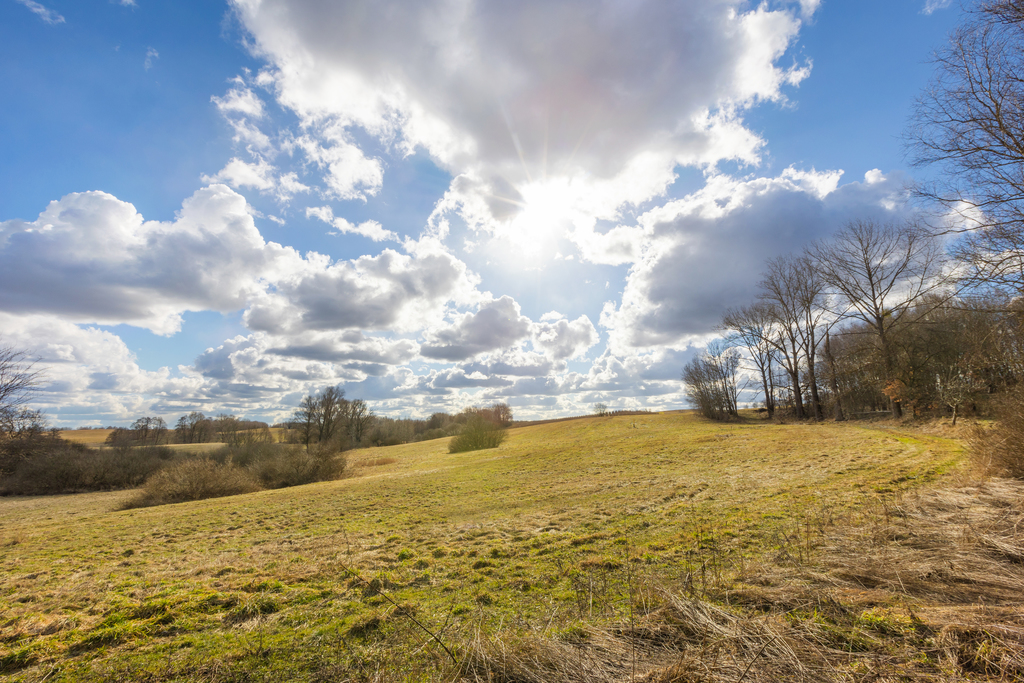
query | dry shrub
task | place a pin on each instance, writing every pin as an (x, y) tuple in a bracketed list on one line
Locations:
[(66, 467), (194, 480), (999, 450), (292, 465)]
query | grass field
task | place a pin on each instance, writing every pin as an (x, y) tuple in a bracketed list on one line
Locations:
[(97, 437), (568, 533)]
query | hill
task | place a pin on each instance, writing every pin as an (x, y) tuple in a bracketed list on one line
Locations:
[(607, 549)]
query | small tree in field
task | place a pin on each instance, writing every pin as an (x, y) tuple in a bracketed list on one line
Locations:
[(711, 385), (600, 409), (481, 430)]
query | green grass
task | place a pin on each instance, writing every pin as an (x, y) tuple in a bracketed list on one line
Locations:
[(550, 532)]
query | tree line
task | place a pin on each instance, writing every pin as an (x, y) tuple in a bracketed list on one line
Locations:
[(873, 319)]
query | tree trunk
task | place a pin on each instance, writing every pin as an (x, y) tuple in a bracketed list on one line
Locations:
[(838, 411)]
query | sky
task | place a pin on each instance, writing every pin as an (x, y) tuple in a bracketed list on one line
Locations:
[(225, 206)]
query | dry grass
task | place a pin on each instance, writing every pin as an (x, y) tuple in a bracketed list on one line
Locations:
[(931, 589), (654, 545), (90, 437)]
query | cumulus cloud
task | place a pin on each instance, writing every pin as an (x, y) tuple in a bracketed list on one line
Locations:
[(240, 106), (390, 291), (516, 97), (93, 258), (704, 253), (370, 229), (496, 325), (562, 339), (259, 175)]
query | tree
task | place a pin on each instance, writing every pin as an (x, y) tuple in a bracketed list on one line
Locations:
[(711, 381), (600, 409), (795, 295), (19, 379), (750, 327), (324, 417), (970, 125), (193, 428), (149, 431), (502, 414), (360, 419), (879, 271)]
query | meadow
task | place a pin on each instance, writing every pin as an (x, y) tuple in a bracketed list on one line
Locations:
[(657, 547)]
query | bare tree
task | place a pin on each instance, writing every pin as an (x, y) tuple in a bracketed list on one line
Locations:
[(193, 428), (710, 379), (324, 417), (795, 295), (751, 328), (970, 125), (360, 419), (19, 379), (148, 431), (879, 272)]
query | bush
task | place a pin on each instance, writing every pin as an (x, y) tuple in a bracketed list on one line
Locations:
[(1000, 450), (196, 479), (477, 434), (59, 466), (293, 465)]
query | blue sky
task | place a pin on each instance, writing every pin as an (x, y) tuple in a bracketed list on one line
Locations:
[(223, 206)]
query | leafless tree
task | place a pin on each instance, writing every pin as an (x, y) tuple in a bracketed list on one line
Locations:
[(710, 379), (360, 419), (19, 379), (795, 295), (149, 431), (751, 328), (879, 272), (193, 428), (323, 417), (970, 125)]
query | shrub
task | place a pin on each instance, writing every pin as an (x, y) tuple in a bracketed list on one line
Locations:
[(293, 465), (60, 466), (477, 434), (1000, 450), (196, 479)]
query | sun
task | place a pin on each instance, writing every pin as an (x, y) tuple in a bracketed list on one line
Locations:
[(545, 217)]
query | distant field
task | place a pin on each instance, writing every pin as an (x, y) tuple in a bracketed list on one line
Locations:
[(549, 534), (96, 437), (86, 436)]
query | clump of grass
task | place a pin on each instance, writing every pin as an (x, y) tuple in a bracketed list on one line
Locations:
[(193, 480), (999, 450)]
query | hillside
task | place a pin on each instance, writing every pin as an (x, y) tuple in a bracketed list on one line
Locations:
[(567, 539)]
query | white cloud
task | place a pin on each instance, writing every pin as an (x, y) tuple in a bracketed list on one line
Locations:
[(151, 54), (519, 101), (369, 229), (238, 106), (349, 173), (47, 15), (93, 258), (563, 339), (238, 173), (259, 175), (934, 5), (496, 325), (704, 253)]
